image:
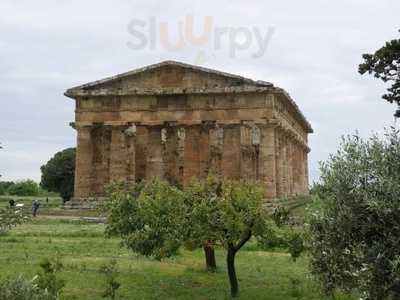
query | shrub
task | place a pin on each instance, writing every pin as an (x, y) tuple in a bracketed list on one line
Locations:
[(48, 279), (110, 272), (10, 217), (20, 288)]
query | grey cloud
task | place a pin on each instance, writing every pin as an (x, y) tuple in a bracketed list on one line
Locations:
[(49, 46)]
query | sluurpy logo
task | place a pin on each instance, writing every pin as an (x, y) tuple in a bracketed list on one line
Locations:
[(152, 34)]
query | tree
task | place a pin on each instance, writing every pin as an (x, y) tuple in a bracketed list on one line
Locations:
[(385, 65), (354, 235), (156, 219), (227, 213), (198, 229), (148, 217), (59, 173), (26, 187)]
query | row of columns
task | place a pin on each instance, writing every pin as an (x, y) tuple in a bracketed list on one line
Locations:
[(291, 165), (180, 154)]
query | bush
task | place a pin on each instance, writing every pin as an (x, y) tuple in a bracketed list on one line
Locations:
[(20, 288), (10, 217), (354, 234), (24, 188), (48, 279), (110, 272)]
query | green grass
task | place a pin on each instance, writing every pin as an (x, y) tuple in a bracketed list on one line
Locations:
[(83, 249)]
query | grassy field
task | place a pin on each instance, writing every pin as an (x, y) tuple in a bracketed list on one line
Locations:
[(83, 249), (48, 207)]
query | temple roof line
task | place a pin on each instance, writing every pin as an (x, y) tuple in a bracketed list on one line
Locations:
[(171, 63), (247, 85)]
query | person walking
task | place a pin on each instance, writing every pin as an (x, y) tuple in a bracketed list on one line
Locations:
[(35, 207)]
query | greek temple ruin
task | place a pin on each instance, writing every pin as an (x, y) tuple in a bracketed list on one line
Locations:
[(178, 122)]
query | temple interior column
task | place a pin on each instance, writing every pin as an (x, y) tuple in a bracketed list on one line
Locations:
[(83, 169)]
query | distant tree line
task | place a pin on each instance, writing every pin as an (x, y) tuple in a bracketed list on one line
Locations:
[(57, 179), (25, 187)]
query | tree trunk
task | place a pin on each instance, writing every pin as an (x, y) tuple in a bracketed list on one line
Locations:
[(230, 262), (209, 252)]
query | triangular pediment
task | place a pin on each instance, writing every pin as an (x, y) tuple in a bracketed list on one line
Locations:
[(170, 74)]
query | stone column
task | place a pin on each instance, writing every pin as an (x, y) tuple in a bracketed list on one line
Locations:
[(181, 136), (118, 154), (191, 154), (284, 166), (216, 140), (154, 162), (305, 173), (278, 159), (130, 137), (267, 163), (101, 142), (204, 150), (301, 182), (249, 145), (231, 152), (293, 162), (141, 152), (171, 155), (296, 162), (84, 157)]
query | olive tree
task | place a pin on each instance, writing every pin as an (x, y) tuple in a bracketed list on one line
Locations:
[(355, 234)]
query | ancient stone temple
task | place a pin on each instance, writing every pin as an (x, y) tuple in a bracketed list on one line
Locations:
[(178, 122)]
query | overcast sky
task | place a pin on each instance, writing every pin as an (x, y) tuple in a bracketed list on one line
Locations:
[(312, 50)]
